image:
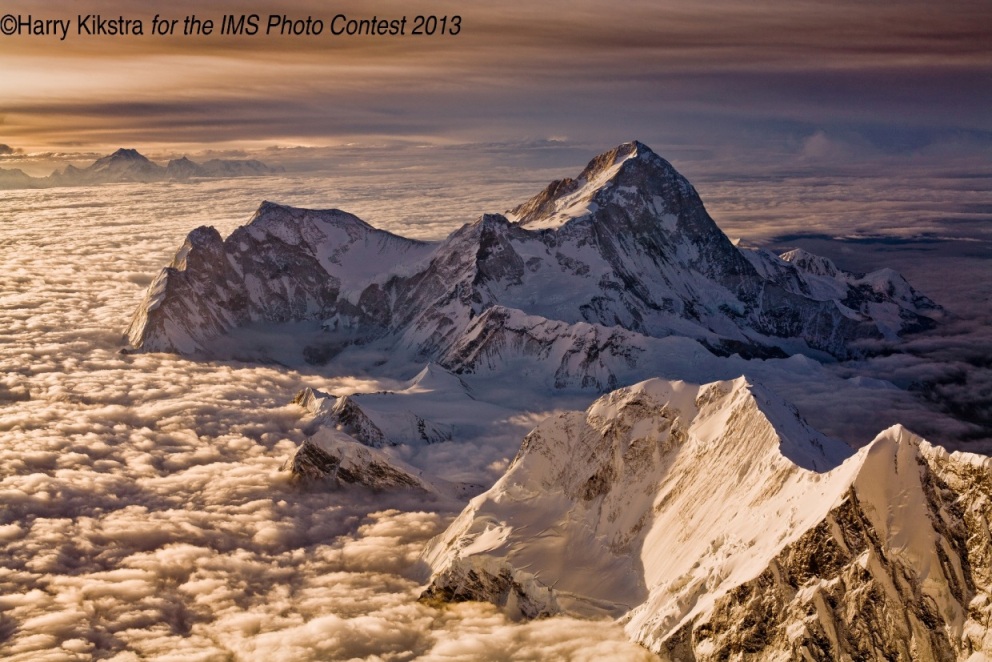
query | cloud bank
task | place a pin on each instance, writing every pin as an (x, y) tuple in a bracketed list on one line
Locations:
[(145, 513), (665, 72)]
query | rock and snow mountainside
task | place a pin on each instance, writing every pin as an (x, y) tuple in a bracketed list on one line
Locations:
[(388, 418), (286, 265), (350, 437), (329, 456), (716, 524), (577, 278)]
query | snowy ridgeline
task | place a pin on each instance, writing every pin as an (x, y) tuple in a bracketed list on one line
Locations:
[(713, 520), (714, 523), (584, 277)]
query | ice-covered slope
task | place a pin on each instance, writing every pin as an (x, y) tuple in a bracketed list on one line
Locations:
[(626, 246), (717, 524)]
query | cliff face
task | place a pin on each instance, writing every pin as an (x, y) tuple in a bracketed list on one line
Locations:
[(716, 524)]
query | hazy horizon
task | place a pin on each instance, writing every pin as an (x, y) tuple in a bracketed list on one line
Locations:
[(891, 79)]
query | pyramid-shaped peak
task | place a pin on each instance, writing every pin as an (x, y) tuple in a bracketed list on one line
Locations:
[(435, 378), (628, 151), (123, 154), (628, 175)]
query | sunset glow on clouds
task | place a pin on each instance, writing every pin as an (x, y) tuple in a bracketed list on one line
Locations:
[(661, 71)]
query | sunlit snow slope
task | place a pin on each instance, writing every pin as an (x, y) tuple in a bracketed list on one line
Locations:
[(714, 522)]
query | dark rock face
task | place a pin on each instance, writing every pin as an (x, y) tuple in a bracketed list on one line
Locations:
[(839, 593), (322, 459), (499, 587), (627, 245), (844, 608), (348, 417)]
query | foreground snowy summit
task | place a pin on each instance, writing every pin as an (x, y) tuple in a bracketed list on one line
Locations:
[(716, 524), (584, 278)]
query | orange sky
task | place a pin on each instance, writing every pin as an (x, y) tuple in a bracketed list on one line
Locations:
[(517, 69)]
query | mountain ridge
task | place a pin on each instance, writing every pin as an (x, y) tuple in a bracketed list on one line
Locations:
[(643, 256), (127, 165), (686, 513)]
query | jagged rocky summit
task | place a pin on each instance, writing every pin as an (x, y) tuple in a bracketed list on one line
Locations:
[(715, 524), (584, 278)]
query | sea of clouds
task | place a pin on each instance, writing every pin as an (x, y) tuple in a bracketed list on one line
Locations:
[(144, 511)]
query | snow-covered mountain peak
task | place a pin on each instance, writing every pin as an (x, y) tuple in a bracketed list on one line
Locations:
[(121, 155), (626, 246), (610, 178), (608, 162), (123, 165), (678, 510), (633, 491), (312, 399), (287, 222), (811, 264), (434, 378)]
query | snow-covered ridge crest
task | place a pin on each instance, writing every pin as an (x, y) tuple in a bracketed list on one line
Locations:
[(566, 199), (714, 522), (643, 256), (286, 265)]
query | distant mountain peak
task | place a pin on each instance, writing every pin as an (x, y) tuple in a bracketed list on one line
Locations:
[(128, 153), (122, 156), (128, 165)]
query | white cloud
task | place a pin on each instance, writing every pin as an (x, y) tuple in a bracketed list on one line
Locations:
[(144, 510)]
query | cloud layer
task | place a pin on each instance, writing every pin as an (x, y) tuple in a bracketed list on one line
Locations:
[(145, 513)]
